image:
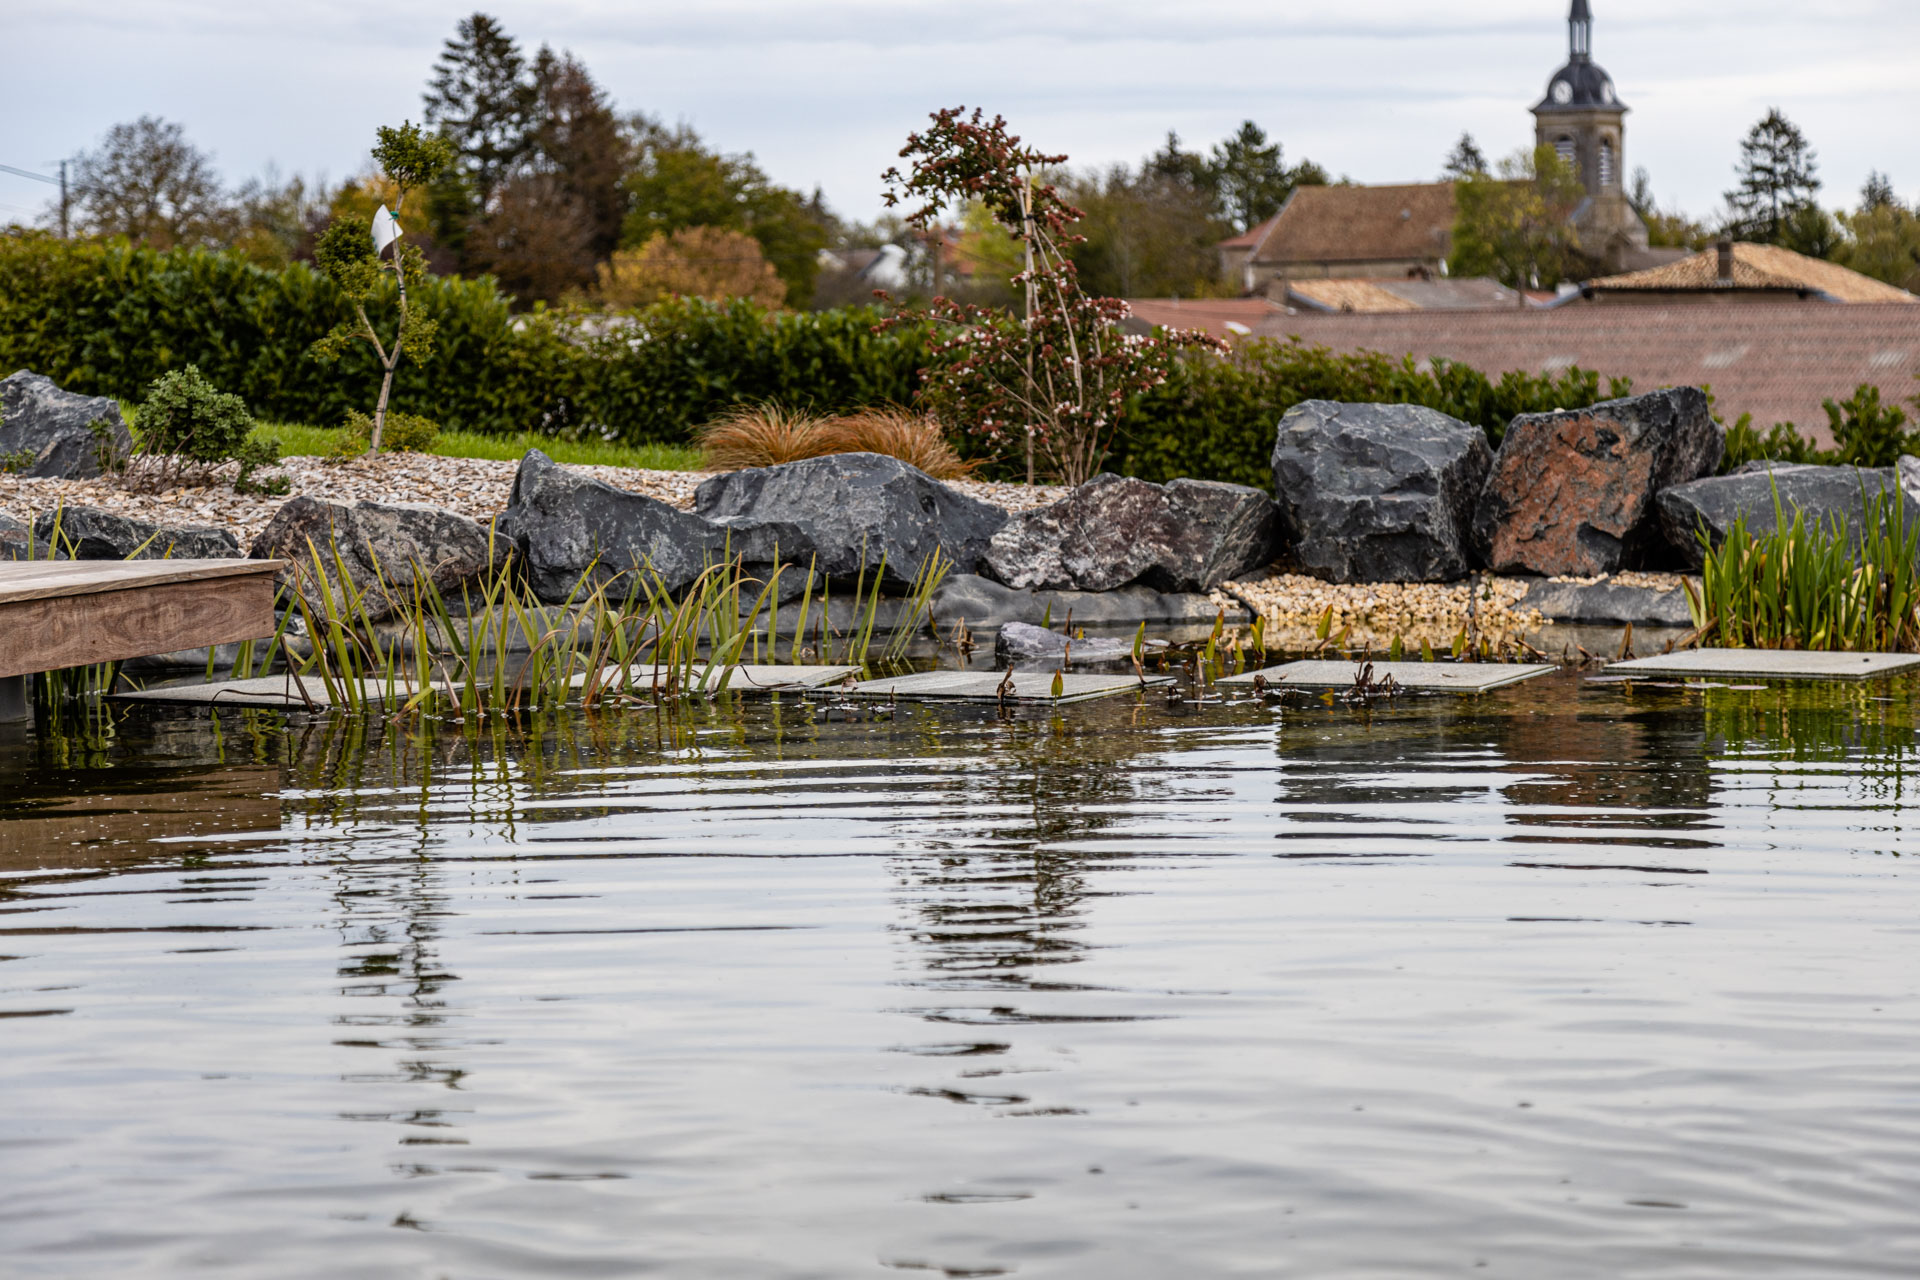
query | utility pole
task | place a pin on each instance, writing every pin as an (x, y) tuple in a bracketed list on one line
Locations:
[(65, 234)]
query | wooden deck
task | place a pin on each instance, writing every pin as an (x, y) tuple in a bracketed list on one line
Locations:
[(73, 613)]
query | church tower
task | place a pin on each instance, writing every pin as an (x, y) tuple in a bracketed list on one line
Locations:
[(1584, 121)]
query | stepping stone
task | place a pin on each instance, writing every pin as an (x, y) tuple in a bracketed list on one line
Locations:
[(1029, 687), (1451, 677), (1775, 664), (753, 678), (283, 692)]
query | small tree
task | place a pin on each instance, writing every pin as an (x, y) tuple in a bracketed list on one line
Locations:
[(1466, 160), (409, 158), (1779, 175), (1061, 372), (1519, 226), (147, 182), (695, 262)]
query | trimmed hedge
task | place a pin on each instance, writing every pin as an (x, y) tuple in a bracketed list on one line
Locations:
[(107, 319), (1215, 418)]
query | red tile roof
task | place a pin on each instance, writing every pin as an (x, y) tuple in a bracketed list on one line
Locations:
[(1357, 224), (1209, 315), (1776, 362)]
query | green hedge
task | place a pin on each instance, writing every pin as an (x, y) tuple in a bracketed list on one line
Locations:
[(1215, 418), (107, 319)]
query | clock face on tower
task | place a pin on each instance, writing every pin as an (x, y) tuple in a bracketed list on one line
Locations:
[(1562, 91), (1606, 92)]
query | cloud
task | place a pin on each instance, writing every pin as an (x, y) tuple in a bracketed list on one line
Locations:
[(823, 92)]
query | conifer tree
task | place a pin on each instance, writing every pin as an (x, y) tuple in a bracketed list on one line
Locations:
[(1778, 177)]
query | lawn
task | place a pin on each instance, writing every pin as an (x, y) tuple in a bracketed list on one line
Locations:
[(296, 439)]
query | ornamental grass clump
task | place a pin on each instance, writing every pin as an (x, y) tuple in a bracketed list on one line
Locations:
[(1814, 584), (761, 435)]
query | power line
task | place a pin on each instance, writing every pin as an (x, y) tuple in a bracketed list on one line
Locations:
[(60, 182), (28, 173)]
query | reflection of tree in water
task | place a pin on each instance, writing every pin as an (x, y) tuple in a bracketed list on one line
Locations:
[(994, 913)]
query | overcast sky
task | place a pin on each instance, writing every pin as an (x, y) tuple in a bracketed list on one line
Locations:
[(823, 92)]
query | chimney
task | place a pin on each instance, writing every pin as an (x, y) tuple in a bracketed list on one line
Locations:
[(1725, 248)]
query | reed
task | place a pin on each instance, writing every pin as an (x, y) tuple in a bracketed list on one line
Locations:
[(1813, 584), (622, 638)]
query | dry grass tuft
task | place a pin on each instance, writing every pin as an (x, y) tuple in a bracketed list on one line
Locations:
[(767, 435), (917, 439), (762, 436)]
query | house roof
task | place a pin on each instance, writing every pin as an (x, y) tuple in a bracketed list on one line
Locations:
[(1777, 363), (1380, 297), (1758, 266), (1358, 224), (1251, 238), (1225, 318)]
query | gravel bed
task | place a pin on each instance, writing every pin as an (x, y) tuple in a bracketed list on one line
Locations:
[(1285, 598), (474, 487)]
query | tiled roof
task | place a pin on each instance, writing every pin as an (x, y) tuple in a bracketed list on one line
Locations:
[(1759, 266), (1776, 362), (1251, 238), (1366, 297), (1360, 224), (1209, 315), (1382, 297)]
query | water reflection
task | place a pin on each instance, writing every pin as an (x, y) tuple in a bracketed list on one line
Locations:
[(1134, 990)]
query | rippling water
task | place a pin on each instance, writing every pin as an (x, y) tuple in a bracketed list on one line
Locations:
[(1573, 980)]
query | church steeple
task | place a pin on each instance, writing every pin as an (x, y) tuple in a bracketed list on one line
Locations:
[(1580, 31)]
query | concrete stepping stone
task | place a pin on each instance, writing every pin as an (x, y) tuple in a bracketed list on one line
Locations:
[(1421, 677), (1028, 687), (1773, 664), (285, 692)]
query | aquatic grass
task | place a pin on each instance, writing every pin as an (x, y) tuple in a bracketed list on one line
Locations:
[(1813, 584), (615, 635)]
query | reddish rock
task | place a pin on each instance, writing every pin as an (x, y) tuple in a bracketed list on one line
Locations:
[(1573, 492)]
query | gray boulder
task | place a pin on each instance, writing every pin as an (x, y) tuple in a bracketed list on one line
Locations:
[(847, 512), (89, 533), (566, 525), (16, 538), (1572, 493), (1024, 642), (984, 604), (1820, 493), (1378, 492), (45, 432), (1607, 601), (1186, 536), (379, 545)]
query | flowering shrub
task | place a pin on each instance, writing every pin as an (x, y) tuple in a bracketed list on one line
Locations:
[(1060, 374)]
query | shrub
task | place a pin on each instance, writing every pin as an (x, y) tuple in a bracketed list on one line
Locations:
[(187, 424), (1866, 433), (405, 433), (696, 262), (1215, 417)]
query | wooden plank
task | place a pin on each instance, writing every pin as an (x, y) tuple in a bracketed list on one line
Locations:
[(48, 579), (1453, 677), (1768, 664), (984, 686), (44, 633)]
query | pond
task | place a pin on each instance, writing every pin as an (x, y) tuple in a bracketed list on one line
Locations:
[(1576, 979)]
